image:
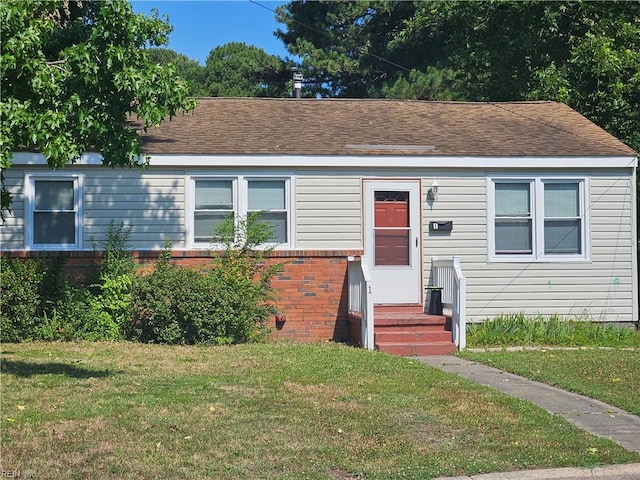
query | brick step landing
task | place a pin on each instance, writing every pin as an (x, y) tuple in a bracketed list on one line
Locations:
[(407, 330)]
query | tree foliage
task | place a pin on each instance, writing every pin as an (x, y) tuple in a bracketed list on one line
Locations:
[(354, 49), (585, 54), (239, 70), (231, 70), (186, 68), (74, 72)]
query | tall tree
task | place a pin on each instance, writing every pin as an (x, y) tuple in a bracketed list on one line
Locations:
[(73, 73), (188, 69), (357, 49), (239, 70), (586, 54)]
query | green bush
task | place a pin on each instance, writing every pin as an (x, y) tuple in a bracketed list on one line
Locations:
[(39, 304), (112, 293), (171, 305), (229, 303), (96, 312), (20, 282), (78, 316), (53, 286), (243, 270)]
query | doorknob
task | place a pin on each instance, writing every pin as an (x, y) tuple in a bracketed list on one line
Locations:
[(416, 241)]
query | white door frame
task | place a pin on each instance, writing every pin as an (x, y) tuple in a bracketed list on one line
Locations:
[(395, 283)]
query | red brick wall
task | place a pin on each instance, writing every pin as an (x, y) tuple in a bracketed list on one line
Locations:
[(312, 287), (312, 292)]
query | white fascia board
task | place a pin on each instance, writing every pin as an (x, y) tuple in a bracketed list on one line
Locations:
[(353, 161), (32, 158)]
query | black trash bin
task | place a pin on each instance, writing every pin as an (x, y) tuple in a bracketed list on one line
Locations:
[(435, 300)]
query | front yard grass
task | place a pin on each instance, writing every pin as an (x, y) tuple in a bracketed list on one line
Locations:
[(125, 410), (609, 375)]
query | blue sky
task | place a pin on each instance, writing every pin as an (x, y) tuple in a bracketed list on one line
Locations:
[(200, 26)]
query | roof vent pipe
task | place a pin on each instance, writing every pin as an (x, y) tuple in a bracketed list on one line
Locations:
[(297, 83)]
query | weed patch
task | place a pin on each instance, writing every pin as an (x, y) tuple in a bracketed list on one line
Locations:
[(520, 329)]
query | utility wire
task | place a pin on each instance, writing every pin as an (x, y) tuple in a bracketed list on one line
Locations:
[(360, 49)]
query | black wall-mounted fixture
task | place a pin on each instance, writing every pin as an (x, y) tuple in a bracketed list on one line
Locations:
[(446, 226)]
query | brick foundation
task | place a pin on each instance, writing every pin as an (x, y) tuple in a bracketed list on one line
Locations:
[(312, 287)]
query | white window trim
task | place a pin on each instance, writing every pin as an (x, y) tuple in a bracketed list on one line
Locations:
[(29, 199), (537, 206), (240, 203)]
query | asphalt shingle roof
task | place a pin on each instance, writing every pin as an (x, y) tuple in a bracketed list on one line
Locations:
[(261, 126)]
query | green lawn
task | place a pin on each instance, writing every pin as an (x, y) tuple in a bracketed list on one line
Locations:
[(611, 375), (124, 410)]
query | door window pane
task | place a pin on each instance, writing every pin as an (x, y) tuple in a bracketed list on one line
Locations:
[(391, 209), (391, 246)]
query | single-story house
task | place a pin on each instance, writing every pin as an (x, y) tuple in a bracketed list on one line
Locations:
[(371, 200)]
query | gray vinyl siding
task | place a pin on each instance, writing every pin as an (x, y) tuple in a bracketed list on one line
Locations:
[(12, 230), (152, 203), (328, 211), (600, 289)]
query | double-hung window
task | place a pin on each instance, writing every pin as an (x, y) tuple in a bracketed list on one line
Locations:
[(216, 198), (513, 218), (53, 211), (214, 201), (270, 198), (538, 219)]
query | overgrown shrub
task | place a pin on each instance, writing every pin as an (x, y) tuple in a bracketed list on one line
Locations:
[(54, 285), (228, 303), (95, 312), (38, 303), (243, 269), (20, 282), (113, 291), (78, 316), (174, 305)]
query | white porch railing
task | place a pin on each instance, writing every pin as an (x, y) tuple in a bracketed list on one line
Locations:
[(361, 298), (447, 274)]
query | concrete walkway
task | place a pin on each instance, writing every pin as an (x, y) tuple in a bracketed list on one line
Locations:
[(595, 417)]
